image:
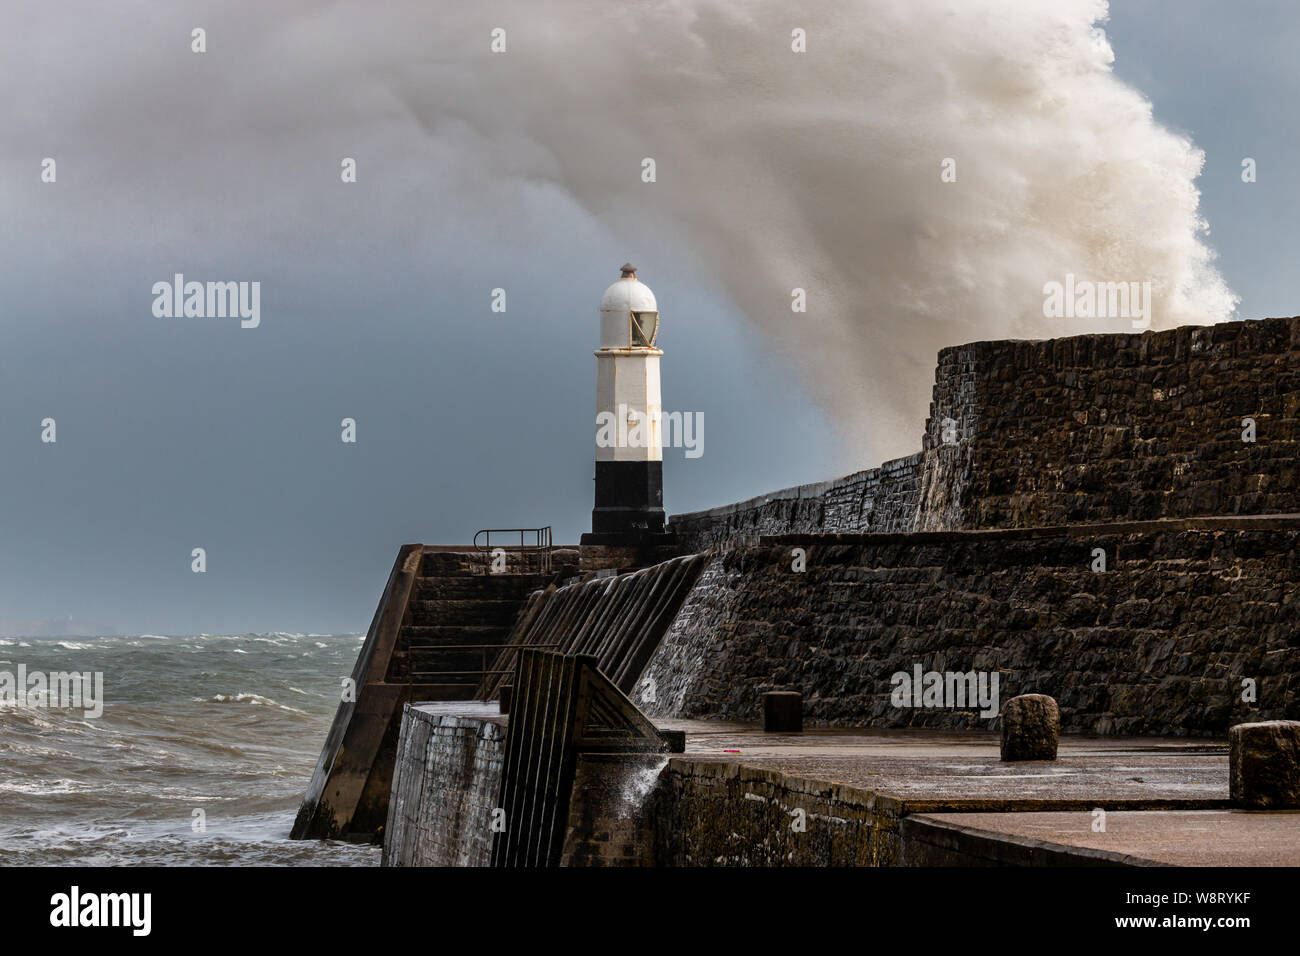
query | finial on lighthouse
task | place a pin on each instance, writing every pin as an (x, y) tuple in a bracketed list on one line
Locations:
[(629, 271)]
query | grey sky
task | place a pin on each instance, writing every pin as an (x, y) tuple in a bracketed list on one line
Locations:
[(176, 434)]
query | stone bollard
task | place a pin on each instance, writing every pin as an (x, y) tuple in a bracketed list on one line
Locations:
[(783, 712), (1031, 728), (1264, 765), (504, 703)]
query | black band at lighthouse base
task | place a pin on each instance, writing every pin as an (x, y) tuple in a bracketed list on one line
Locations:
[(629, 497)]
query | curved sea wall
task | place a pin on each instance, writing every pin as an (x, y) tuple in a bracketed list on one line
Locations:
[(878, 499)]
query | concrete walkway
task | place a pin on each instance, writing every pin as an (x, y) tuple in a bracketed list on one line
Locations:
[(934, 770), (1162, 837)]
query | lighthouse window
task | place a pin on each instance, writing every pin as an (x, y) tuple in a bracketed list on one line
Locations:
[(645, 325)]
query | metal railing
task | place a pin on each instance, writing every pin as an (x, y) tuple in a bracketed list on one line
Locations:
[(421, 676), (534, 546)]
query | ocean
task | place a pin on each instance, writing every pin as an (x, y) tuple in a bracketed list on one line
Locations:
[(200, 757)]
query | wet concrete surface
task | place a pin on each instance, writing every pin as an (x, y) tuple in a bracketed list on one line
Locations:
[(1170, 837), (483, 710), (929, 770), (1166, 798)]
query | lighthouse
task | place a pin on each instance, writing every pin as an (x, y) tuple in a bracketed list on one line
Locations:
[(629, 452)]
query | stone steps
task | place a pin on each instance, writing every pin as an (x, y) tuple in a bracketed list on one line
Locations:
[(437, 599), (480, 587), (440, 635), (443, 613), (448, 664), (460, 605), (446, 563)]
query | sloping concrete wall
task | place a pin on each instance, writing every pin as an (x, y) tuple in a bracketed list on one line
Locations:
[(439, 621)]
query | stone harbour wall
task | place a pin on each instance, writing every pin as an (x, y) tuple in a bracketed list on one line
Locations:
[(724, 814), (1158, 643), (1085, 429), (613, 812), (1134, 427), (879, 499), (445, 786)]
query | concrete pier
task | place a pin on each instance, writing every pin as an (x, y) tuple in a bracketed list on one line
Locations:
[(740, 796)]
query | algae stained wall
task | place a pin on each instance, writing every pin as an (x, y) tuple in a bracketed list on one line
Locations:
[(1158, 643), (445, 787)]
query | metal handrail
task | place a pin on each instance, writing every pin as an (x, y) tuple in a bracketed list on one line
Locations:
[(540, 545), (541, 540)]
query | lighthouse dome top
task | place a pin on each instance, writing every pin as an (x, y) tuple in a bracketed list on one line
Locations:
[(628, 294)]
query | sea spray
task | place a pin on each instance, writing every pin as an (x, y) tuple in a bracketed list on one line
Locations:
[(640, 776), (918, 173), (909, 173)]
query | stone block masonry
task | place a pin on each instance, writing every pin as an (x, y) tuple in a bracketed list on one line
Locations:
[(726, 814), (1135, 427), (445, 786), (1085, 429), (878, 499), (1111, 520), (827, 797), (617, 801), (1161, 642)]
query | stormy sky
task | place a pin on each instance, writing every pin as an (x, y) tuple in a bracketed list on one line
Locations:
[(522, 170)]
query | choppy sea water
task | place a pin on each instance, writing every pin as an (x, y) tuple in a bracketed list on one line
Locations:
[(229, 725)]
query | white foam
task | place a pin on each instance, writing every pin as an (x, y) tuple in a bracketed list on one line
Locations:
[(821, 170)]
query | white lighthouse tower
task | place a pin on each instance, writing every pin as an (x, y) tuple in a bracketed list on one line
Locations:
[(629, 451)]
